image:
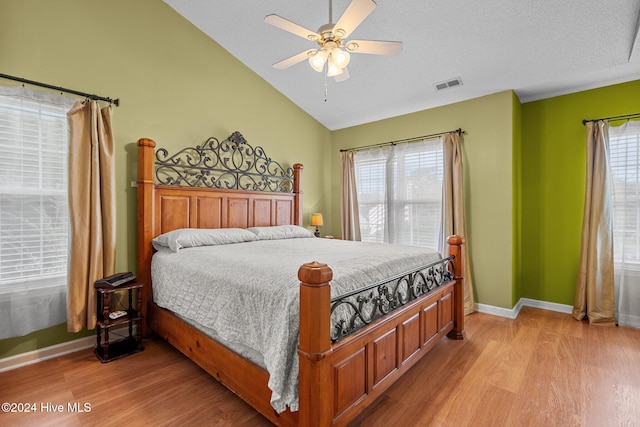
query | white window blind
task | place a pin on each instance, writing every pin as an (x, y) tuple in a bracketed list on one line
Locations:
[(624, 148), (370, 171), (400, 193), (34, 215)]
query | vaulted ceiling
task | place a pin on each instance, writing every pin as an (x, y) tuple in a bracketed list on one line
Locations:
[(537, 48)]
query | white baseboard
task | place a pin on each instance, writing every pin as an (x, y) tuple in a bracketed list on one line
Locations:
[(551, 306), (512, 313), (623, 320), (45, 353), (509, 313)]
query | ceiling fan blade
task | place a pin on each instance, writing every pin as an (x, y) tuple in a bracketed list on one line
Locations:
[(374, 47), (344, 75), (293, 60), (356, 12), (286, 25)]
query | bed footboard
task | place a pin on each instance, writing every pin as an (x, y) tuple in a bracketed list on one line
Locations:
[(338, 380)]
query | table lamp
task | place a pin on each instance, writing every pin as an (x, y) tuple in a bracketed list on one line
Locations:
[(316, 221)]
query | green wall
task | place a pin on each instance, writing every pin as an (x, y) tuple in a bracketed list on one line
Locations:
[(176, 86), (487, 157), (553, 175)]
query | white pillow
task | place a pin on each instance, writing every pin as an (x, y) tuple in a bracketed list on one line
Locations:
[(193, 237), (280, 232)]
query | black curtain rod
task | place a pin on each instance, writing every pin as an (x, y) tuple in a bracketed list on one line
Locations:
[(115, 102), (625, 116), (403, 141)]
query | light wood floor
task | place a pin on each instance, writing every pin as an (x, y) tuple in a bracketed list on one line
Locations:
[(543, 369)]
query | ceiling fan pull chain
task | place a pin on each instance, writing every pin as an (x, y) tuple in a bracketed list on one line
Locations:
[(326, 87)]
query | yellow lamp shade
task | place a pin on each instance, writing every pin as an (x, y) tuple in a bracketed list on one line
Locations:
[(316, 219)]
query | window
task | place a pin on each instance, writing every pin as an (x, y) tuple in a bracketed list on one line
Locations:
[(400, 193), (624, 148), (624, 151), (34, 215)]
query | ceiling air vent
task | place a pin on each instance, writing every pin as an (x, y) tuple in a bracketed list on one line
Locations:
[(448, 83)]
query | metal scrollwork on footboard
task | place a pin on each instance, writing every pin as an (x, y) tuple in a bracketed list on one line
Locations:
[(356, 309), (230, 164)]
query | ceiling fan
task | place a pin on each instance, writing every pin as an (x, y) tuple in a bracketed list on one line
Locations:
[(334, 49)]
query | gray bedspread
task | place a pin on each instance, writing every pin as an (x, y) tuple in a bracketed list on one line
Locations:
[(249, 292)]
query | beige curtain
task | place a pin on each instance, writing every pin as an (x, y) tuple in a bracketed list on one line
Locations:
[(453, 208), (349, 214), (91, 208), (595, 286)]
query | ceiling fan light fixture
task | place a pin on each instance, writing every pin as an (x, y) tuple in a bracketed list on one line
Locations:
[(330, 45), (332, 69), (317, 60), (340, 58)]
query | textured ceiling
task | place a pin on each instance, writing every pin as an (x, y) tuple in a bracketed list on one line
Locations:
[(538, 48)]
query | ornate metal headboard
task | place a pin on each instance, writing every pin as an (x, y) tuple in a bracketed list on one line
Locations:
[(230, 164)]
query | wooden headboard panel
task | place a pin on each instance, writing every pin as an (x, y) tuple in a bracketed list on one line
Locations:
[(200, 208), (162, 208)]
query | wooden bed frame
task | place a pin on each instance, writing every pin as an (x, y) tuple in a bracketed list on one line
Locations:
[(337, 380)]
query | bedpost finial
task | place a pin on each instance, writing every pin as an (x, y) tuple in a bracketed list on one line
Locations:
[(315, 273), (146, 142), (455, 240)]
